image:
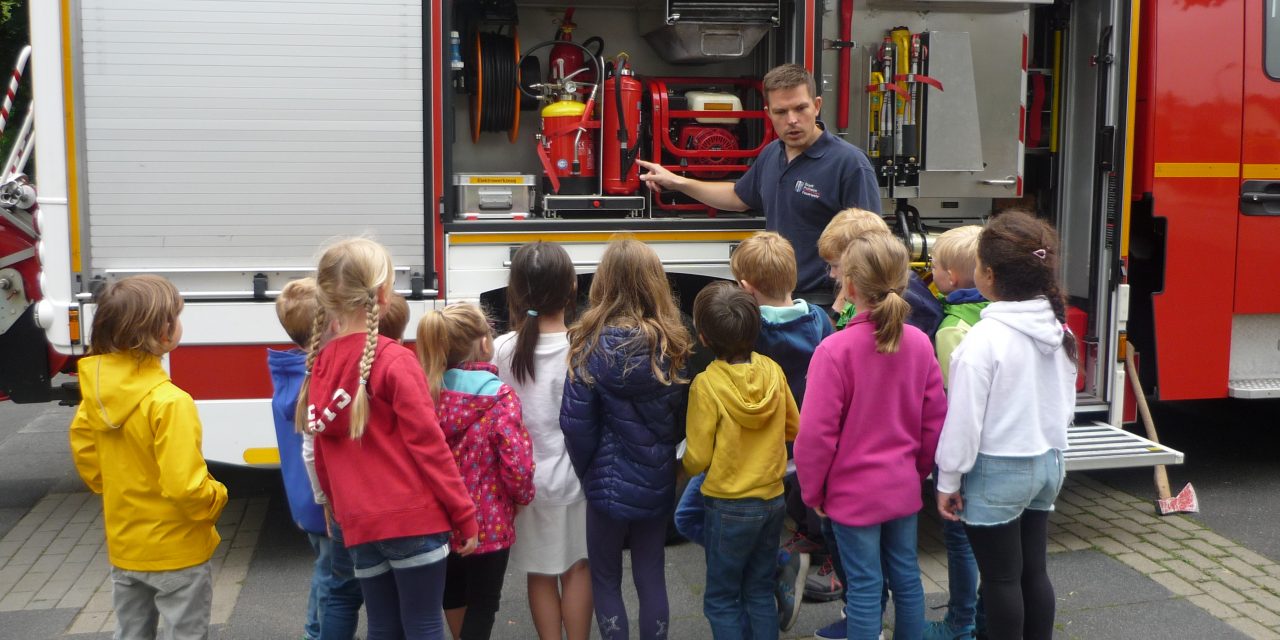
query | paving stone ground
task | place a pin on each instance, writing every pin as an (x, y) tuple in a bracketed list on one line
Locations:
[(53, 561)]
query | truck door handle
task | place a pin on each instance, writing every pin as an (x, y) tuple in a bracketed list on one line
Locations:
[(1260, 198), (1005, 182)]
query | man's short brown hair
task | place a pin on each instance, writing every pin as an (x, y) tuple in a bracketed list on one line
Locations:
[(395, 317), (728, 320), (767, 262), (297, 307), (787, 76), (957, 250), (844, 227)]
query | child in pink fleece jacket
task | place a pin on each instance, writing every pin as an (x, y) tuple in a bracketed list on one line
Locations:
[(875, 396)]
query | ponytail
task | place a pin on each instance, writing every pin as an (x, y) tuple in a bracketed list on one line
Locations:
[(447, 338), (432, 346), (1058, 302), (526, 342), (300, 413), (889, 315)]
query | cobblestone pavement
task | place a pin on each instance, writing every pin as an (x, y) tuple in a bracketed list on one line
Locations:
[(55, 558)]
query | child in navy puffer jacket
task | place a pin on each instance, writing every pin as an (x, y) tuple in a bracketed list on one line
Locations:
[(622, 414)]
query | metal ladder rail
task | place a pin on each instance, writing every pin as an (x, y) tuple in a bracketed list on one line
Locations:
[(1098, 445)]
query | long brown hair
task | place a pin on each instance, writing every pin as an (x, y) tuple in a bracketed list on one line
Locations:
[(447, 338), (349, 277), (630, 290), (542, 281), (1022, 252), (876, 265), (135, 314)]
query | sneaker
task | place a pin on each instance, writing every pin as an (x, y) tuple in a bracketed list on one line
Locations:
[(940, 630), (801, 543), (824, 585), (838, 630), (793, 568)]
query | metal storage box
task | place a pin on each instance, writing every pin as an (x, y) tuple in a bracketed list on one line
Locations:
[(494, 195)]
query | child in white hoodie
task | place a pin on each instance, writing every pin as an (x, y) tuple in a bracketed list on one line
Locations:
[(1000, 471)]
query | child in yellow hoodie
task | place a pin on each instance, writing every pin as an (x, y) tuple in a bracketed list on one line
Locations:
[(136, 440), (741, 415)]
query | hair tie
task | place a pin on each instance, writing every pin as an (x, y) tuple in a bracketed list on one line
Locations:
[(364, 382), (1040, 253), (532, 313)]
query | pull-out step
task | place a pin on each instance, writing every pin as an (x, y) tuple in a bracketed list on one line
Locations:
[(1098, 445), (1254, 388)]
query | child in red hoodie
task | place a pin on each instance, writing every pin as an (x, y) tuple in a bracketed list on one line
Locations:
[(380, 455), (482, 422)]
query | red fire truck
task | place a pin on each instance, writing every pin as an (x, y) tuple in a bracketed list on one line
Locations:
[(221, 144)]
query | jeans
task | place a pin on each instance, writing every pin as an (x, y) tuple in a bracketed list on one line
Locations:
[(605, 537), (862, 550), (962, 576), (182, 598), (691, 513), (403, 584), (741, 551), (339, 596), (998, 488)]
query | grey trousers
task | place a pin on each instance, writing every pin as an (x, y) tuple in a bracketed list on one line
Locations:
[(182, 598)]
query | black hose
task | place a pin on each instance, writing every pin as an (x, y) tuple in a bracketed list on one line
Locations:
[(494, 104)]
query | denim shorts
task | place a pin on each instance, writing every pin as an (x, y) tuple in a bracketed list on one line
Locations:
[(999, 488), (376, 558)]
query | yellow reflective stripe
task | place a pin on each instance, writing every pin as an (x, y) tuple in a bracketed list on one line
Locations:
[(1261, 172), (597, 236), (262, 455), (69, 124), (1126, 199), (1197, 169)]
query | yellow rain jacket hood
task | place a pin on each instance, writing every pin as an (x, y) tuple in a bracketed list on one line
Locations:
[(740, 418), (136, 440)]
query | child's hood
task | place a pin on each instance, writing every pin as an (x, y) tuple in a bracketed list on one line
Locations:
[(620, 363), (114, 385), (335, 378), (286, 363), (469, 391), (748, 390), (1032, 318)]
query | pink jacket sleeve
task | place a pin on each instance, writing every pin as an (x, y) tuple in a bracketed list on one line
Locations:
[(821, 419), (932, 415), (510, 440)]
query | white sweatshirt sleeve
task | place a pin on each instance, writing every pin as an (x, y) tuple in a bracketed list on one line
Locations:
[(309, 461), (966, 410)]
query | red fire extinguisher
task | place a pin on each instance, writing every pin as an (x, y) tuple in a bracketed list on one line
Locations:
[(620, 136), (568, 58), (567, 146)]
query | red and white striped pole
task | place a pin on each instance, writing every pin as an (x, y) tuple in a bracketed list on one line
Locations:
[(13, 85), (21, 151)]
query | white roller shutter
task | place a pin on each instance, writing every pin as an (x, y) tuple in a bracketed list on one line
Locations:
[(224, 134)]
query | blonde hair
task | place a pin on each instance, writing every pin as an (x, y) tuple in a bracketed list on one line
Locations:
[(630, 290), (349, 277), (395, 318), (767, 261), (136, 314), (844, 227), (296, 308), (957, 249), (447, 338), (876, 265)]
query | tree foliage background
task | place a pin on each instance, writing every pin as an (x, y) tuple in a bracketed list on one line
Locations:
[(13, 36)]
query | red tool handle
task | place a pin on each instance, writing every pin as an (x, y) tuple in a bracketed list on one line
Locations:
[(842, 84)]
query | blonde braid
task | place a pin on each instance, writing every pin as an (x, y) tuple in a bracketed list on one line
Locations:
[(304, 393), (360, 407)]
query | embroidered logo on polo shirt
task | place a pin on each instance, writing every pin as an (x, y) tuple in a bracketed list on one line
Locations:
[(807, 189)]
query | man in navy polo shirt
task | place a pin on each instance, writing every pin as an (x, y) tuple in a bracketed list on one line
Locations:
[(800, 181)]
